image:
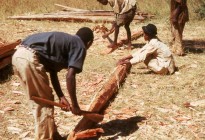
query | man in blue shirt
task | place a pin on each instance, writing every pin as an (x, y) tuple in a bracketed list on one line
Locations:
[(51, 52)]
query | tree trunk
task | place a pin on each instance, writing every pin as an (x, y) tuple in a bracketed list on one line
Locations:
[(102, 100)]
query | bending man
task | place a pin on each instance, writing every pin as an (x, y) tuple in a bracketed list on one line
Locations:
[(51, 52)]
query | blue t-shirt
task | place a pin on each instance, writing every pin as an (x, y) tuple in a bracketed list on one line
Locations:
[(57, 50)]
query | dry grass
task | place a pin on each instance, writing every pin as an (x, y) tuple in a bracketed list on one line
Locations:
[(16, 7), (159, 99), (147, 106)]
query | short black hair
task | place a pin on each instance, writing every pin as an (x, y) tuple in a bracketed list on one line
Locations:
[(86, 34), (150, 30)]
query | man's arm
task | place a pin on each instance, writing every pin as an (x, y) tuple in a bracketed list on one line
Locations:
[(56, 84), (57, 88), (71, 87), (125, 60)]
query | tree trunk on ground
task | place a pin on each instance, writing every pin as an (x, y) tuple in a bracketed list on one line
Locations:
[(103, 98)]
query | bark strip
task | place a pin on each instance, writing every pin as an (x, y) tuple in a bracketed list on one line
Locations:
[(101, 101)]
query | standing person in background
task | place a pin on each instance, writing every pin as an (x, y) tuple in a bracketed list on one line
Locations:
[(179, 16), (124, 14), (51, 52)]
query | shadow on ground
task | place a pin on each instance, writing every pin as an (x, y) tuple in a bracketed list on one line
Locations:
[(6, 73), (120, 127), (194, 46)]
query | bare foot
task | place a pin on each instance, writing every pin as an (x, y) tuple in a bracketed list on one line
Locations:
[(129, 48), (105, 35), (113, 46)]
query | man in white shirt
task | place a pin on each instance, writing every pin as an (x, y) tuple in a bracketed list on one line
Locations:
[(124, 14), (155, 54)]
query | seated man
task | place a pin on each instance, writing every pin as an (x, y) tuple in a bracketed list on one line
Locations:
[(124, 14), (155, 54)]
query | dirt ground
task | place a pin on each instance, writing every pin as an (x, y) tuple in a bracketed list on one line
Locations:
[(147, 106)]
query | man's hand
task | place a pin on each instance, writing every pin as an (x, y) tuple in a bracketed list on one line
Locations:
[(76, 110), (65, 102), (121, 62)]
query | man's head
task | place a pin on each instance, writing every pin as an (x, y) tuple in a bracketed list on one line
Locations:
[(86, 35), (104, 2), (150, 30)]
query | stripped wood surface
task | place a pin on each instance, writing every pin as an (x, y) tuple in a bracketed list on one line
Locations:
[(8, 47), (69, 18), (6, 52), (73, 16), (6, 61), (79, 15), (102, 99), (88, 133)]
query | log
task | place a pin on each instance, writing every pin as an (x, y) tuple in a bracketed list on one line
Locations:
[(69, 8), (80, 10), (100, 103), (71, 18), (88, 133), (8, 53), (135, 35), (91, 13), (9, 47), (122, 42)]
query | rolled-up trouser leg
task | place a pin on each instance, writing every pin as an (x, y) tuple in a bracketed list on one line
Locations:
[(177, 45), (154, 66), (36, 83)]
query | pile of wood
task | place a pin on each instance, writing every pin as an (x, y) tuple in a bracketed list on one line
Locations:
[(6, 52), (79, 15)]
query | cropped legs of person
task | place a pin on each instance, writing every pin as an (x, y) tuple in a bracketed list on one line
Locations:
[(112, 29), (36, 83), (127, 28), (177, 32)]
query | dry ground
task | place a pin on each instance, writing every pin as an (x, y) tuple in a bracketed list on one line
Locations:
[(147, 106)]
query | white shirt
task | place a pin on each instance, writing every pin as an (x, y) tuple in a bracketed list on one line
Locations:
[(122, 6), (157, 49)]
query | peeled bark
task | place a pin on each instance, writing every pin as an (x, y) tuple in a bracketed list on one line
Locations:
[(101, 101)]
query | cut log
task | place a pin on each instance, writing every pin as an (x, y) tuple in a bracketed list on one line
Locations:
[(71, 18), (74, 16), (135, 35), (8, 53), (103, 98), (122, 42), (9, 47), (88, 133)]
